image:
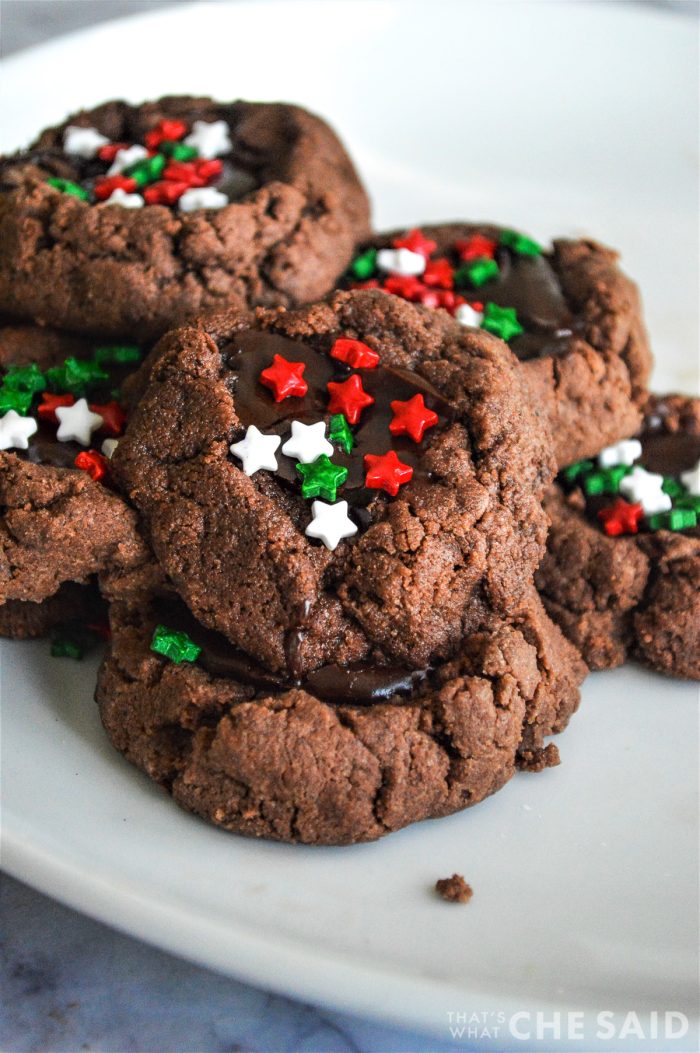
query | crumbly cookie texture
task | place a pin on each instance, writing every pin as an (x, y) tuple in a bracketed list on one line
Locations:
[(454, 889), (424, 561), (569, 314), (622, 581), (285, 239), (280, 761)]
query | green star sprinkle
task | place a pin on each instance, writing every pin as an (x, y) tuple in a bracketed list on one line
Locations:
[(178, 151), (339, 433), (178, 647), (501, 321), (572, 473), (691, 501), (672, 487), (119, 355), (75, 376), (19, 401), (364, 266), (676, 519), (73, 641), (520, 244), (63, 647), (146, 171), (321, 478), (24, 378), (476, 273), (68, 187), (606, 480)]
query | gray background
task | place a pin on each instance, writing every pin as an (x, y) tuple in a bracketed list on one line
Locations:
[(69, 983)]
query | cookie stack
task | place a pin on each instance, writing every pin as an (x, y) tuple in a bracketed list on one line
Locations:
[(367, 503)]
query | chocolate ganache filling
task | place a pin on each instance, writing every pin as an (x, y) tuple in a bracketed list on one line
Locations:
[(359, 684), (251, 352)]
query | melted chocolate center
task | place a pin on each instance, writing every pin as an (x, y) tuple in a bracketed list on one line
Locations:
[(252, 351), (357, 684)]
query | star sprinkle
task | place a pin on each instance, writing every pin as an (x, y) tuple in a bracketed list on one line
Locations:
[(202, 197), (501, 321), (645, 488), (339, 433), (178, 647), (438, 274), (113, 417), (15, 431), (573, 471), (605, 480), (620, 518), (124, 159), (625, 452), (124, 200), (520, 244), (210, 138), (19, 401), (467, 315), (330, 523), (476, 247), (24, 378), (256, 451), (308, 442), (284, 379), (401, 261), (166, 130), (77, 423), (386, 472), (349, 398), (412, 418), (108, 447), (83, 142), (364, 265), (322, 478), (416, 241), (675, 519), (477, 273), (355, 354), (691, 480), (46, 410), (93, 463), (67, 186), (104, 188)]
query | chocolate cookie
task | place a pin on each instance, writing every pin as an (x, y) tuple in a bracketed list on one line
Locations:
[(622, 571), (569, 314), (339, 756), (357, 479), (59, 521), (125, 219), (71, 603)]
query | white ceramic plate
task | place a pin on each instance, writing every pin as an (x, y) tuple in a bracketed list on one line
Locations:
[(561, 119)]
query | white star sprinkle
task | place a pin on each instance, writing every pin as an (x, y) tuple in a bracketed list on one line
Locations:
[(83, 142), (120, 197), (77, 423), (330, 523), (308, 442), (625, 452), (466, 315), (691, 480), (210, 138), (108, 447), (644, 488), (128, 156), (256, 451), (16, 430), (202, 197), (400, 261)]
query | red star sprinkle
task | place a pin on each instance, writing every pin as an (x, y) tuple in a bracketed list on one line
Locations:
[(355, 354), (438, 273), (113, 417), (416, 241), (284, 378), (165, 193), (412, 418), (93, 463), (193, 173), (620, 518), (386, 472), (476, 247), (449, 300), (46, 410), (407, 286), (104, 187), (349, 398), (165, 130), (110, 151)]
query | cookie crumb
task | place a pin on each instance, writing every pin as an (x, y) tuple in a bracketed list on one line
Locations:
[(539, 759), (454, 889)]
